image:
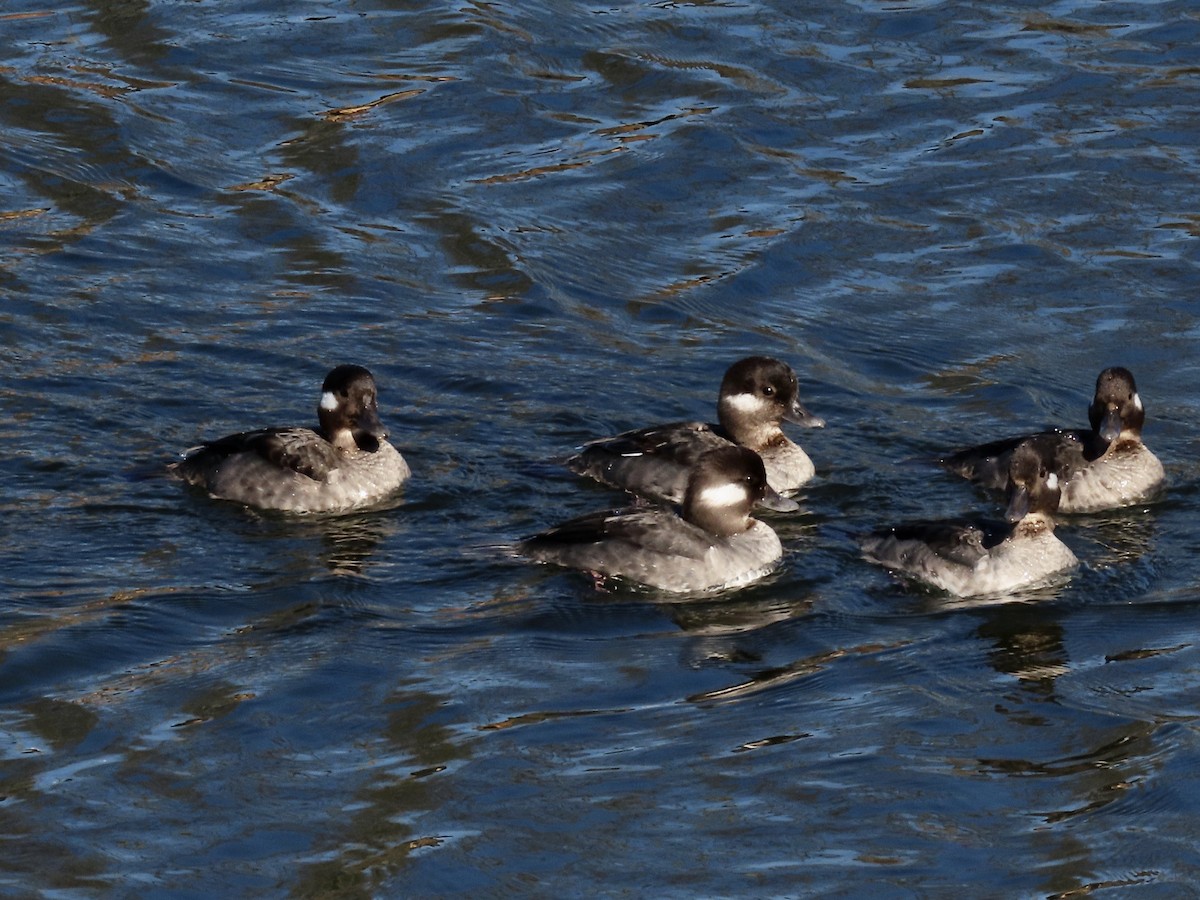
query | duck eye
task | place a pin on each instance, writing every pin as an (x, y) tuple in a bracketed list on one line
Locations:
[(769, 391)]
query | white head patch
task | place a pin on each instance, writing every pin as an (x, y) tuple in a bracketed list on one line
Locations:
[(328, 401), (1052, 481), (1137, 402), (745, 402), (722, 495)]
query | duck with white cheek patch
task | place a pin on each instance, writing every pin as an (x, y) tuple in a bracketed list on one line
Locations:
[(345, 464), (710, 544), (1104, 467), (757, 394), (975, 557)]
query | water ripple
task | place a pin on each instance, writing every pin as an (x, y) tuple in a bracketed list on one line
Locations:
[(539, 224)]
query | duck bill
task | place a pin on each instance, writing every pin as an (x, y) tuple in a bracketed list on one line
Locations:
[(1018, 505), (775, 501), (1110, 425), (799, 415)]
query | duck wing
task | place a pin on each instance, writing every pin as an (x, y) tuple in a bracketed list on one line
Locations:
[(961, 541), (652, 462), (654, 530), (1065, 453), (301, 450)]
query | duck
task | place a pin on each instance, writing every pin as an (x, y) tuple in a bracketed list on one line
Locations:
[(757, 394), (977, 557), (345, 464), (1103, 467), (710, 543)]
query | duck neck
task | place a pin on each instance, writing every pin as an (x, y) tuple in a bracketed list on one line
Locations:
[(718, 520), (755, 436), (343, 440)]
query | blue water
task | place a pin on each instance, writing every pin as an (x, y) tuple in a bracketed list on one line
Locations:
[(539, 223)]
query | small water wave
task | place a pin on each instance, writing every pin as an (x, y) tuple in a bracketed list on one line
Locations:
[(538, 226)]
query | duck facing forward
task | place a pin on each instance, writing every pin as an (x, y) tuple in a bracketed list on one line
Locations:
[(757, 394), (712, 543), (970, 558), (1104, 467), (345, 464)]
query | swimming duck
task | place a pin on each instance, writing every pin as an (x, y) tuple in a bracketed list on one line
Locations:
[(756, 395), (973, 557), (345, 464), (711, 543), (1104, 467)]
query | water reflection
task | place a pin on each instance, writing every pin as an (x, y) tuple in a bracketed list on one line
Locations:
[(784, 675), (52, 725), (405, 778), (55, 166), (126, 27), (1117, 759), (1028, 645), (734, 615), (348, 546), (177, 731), (481, 263), (302, 548)]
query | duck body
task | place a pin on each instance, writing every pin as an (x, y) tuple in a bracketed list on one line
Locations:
[(975, 557), (345, 464), (712, 543), (655, 547), (1104, 467), (757, 394), (1094, 476), (655, 462), (972, 557)]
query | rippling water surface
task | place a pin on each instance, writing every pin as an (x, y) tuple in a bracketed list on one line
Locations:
[(539, 223)]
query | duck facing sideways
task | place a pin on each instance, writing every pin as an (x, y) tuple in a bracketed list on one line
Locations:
[(970, 558), (757, 394), (712, 543), (345, 464), (1104, 467)]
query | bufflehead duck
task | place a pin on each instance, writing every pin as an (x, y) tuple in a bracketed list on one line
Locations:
[(969, 558), (345, 464), (1105, 467), (712, 543), (756, 395)]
